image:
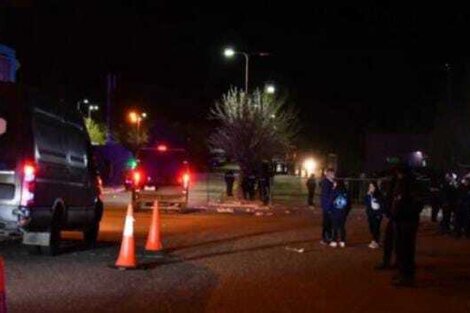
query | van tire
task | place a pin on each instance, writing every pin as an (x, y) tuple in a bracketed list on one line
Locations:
[(54, 229), (90, 234)]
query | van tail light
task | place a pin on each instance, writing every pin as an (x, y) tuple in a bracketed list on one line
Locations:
[(29, 184), (186, 179)]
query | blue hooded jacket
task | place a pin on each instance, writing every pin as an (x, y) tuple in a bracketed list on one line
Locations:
[(326, 194)]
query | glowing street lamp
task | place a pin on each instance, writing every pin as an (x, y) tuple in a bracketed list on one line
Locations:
[(92, 108), (133, 117), (270, 89), (136, 118), (230, 53), (309, 166)]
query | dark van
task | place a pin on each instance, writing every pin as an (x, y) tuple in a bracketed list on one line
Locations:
[(48, 181)]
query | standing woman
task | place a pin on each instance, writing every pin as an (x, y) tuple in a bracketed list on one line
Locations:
[(374, 202), (339, 211)]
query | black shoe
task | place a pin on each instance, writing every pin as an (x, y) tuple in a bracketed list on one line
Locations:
[(403, 282), (382, 267)]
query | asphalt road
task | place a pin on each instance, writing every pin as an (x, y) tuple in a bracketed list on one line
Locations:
[(235, 263)]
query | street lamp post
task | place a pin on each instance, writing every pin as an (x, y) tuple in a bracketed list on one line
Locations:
[(229, 52), (137, 118), (79, 104)]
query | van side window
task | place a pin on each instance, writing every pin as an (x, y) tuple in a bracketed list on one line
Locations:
[(48, 139), (77, 147)]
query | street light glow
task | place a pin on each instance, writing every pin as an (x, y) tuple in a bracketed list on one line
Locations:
[(270, 89), (309, 166), (133, 117), (144, 115), (229, 52), (86, 101)]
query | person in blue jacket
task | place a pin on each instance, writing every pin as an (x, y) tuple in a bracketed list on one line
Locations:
[(339, 210), (325, 201), (374, 202)]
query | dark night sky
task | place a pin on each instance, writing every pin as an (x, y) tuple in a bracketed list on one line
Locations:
[(348, 69)]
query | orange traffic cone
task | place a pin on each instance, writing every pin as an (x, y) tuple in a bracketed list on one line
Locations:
[(3, 300), (126, 257), (153, 240)]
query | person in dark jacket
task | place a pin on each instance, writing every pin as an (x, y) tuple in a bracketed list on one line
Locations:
[(389, 234), (339, 210), (229, 180), (326, 197), (311, 186), (264, 182), (251, 185), (450, 192), (462, 215), (405, 210), (374, 203), (435, 197), (245, 187)]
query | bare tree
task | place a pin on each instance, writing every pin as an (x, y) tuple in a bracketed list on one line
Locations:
[(253, 127), (131, 137)]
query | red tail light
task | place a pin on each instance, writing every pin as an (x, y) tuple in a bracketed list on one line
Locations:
[(29, 182), (162, 148), (136, 177), (186, 180)]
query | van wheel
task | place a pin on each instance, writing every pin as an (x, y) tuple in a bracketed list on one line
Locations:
[(54, 229), (90, 234)]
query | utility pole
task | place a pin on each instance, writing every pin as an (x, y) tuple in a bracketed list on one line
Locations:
[(111, 90), (448, 69)]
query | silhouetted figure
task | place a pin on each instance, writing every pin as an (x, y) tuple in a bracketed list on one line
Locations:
[(435, 197), (462, 215), (311, 186), (450, 193), (389, 234), (251, 185), (374, 209), (326, 201), (229, 180), (405, 209), (245, 187)]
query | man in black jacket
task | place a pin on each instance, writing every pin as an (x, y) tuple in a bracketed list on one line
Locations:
[(389, 235), (405, 209), (229, 180)]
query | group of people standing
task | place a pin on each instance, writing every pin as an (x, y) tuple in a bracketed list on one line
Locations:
[(399, 201), (452, 198), (251, 183)]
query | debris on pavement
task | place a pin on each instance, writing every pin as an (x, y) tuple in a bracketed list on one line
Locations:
[(298, 250)]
